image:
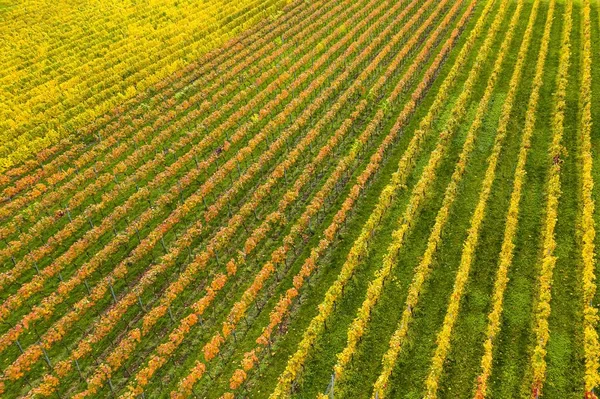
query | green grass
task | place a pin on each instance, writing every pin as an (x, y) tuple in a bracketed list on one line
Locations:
[(319, 368), (565, 347), (511, 373), (512, 351)]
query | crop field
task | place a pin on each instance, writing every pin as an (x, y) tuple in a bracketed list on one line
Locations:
[(299, 199)]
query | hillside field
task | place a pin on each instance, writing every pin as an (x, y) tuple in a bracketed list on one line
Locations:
[(299, 199)]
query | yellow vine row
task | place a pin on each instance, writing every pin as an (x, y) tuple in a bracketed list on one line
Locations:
[(590, 313), (553, 191)]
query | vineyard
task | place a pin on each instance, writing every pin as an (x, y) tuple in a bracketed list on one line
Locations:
[(300, 199)]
